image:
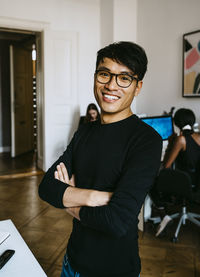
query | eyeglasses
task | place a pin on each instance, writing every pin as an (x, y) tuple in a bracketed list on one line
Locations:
[(123, 80)]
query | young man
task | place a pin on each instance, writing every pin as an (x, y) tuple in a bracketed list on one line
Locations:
[(105, 173)]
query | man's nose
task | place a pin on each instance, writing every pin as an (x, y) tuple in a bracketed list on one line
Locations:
[(112, 84)]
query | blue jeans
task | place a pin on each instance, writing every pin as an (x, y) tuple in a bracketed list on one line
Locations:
[(67, 270)]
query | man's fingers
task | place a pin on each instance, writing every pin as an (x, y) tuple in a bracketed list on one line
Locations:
[(65, 173), (56, 175), (60, 174)]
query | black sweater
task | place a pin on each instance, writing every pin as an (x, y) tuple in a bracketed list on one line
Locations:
[(122, 157)]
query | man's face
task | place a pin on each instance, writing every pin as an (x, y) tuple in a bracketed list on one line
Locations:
[(112, 98)]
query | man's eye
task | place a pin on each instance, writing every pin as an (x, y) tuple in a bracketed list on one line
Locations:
[(125, 78), (104, 74)]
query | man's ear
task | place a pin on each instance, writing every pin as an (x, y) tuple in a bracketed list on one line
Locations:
[(138, 88)]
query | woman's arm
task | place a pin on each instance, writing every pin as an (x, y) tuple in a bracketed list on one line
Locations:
[(176, 146)]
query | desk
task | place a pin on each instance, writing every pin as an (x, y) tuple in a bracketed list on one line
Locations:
[(22, 263)]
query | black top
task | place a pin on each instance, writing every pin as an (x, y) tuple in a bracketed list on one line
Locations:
[(122, 157), (189, 160)]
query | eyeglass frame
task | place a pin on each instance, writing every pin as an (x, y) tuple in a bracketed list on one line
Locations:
[(116, 75)]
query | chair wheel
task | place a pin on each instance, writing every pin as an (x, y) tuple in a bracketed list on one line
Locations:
[(174, 239)]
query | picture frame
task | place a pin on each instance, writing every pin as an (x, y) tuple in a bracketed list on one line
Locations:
[(191, 64)]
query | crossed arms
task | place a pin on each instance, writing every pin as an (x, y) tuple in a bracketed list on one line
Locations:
[(74, 198)]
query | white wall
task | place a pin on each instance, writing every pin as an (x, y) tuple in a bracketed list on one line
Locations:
[(125, 20), (106, 22), (160, 26)]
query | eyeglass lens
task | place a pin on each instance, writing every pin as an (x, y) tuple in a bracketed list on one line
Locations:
[(123, 80)]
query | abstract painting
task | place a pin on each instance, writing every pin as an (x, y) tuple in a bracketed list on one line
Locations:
[(191, 64)]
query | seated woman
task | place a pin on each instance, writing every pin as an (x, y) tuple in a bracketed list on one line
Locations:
[(92, 114), (184, 151)]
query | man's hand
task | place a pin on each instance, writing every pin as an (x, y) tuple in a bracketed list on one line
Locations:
[(62, 175), (74, 212)]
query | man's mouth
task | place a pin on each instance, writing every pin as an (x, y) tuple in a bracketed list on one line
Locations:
[(110, 98)]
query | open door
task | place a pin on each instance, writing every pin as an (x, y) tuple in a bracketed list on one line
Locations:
[(22, 139)]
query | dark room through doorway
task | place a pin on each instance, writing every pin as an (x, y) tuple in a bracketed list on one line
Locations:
[(18, 105)]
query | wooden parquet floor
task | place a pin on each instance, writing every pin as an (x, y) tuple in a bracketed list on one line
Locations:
[(46, 231), (23, 163)]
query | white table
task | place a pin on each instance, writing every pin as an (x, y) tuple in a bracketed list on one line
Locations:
[(22, 263)]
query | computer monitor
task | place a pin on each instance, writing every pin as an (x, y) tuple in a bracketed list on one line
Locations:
[(162, 124)]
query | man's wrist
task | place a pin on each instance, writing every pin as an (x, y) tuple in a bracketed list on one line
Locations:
[(98, 198), (76, 197)]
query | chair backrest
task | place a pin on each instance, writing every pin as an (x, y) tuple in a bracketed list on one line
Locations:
[(174, 182)]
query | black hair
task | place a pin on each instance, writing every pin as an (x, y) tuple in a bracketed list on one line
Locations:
[(127, 53), (91, 106), (184, 117)]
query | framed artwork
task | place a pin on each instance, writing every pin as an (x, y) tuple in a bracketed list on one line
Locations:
[(191, 64)]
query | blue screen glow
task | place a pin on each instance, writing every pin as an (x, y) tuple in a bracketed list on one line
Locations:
[(163, 125)]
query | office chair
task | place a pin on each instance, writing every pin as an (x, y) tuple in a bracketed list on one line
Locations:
[(179, 184)]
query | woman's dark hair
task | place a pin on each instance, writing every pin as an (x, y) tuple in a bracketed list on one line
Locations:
[(127, 53), (183, 117), (88, 118)]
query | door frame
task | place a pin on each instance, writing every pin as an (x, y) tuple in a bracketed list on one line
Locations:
[(27, 27)]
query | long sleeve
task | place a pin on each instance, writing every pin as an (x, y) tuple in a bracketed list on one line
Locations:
[(138, 174), (51, 190)]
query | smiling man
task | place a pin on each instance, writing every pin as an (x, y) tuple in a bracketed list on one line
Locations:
[(106, 171)]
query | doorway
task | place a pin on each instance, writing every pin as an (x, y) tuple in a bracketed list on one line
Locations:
[(18, 102)]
